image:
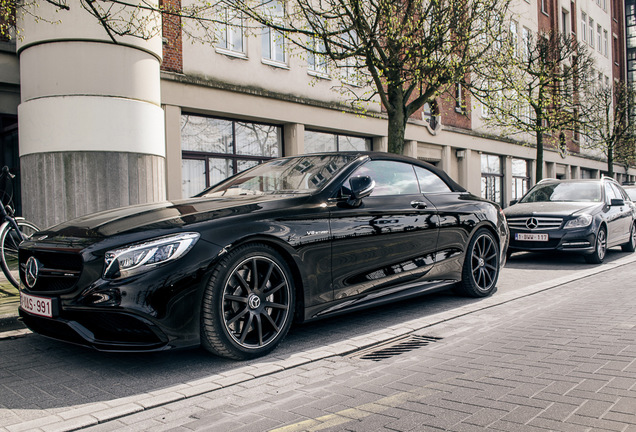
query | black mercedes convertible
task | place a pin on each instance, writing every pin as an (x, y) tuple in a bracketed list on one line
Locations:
[(293, 239)]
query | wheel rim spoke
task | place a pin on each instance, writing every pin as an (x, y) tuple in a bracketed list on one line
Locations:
[(256, 302)]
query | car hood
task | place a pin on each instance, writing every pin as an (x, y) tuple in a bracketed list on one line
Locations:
[(160, 216), (551, 209)]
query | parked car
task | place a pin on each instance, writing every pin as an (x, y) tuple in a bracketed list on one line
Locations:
[(631, 191), (581, 216), (294, 238)]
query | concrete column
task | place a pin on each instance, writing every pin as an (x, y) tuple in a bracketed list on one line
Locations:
[(294, 139), (576, 172), (173, 152), (410, 149), (507, 180), (445, 163), (381, 144), (469, 170), (550, 170), (90, 120)]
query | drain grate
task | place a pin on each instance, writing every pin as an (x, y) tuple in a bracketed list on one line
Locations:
[(397, 347)]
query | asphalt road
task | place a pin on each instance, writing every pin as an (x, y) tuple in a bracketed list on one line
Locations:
[(47, 385)]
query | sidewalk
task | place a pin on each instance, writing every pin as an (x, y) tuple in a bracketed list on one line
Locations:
[(9, 302), (80, 388)]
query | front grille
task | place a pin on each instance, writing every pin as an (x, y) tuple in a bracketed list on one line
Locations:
[(534, 223), (58, 271)]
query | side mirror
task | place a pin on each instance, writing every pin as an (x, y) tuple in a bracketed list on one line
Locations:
[(361, 187), (617, 202), (513, 202)]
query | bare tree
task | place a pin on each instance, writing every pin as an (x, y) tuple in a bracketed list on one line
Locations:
[(409, 52), (532, 87), (607, 126)]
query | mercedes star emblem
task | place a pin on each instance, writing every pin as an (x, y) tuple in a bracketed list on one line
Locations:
[(532, 223), (31, 272)]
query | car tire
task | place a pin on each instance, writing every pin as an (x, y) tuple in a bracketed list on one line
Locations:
[(481, 265), (600, 248), (248, 303), (630, 246)]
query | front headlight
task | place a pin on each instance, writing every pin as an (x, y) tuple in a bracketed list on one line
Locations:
[(579, 222), (141, 257)]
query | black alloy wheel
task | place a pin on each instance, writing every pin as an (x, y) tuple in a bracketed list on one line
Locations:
[(630, 246), (248, 304), (600, 248), (481, 265)]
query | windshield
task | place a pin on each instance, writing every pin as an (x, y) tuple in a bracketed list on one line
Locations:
[(564, 192), (302, 174)]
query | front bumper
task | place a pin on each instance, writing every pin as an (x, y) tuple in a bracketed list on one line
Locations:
[(156, 310), (561, 240)]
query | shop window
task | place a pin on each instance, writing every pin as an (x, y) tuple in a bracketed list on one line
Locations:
[(317, 142), (491, 178), (520, 178), (214, 149)]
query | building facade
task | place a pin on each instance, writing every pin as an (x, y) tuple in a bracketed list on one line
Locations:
[(99, 125)]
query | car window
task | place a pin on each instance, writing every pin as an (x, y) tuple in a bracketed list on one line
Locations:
[(391, 178), (610, 193), (618, 192), (430, 182), (573, 192)]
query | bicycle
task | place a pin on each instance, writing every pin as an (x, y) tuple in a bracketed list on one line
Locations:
[(13, 231)]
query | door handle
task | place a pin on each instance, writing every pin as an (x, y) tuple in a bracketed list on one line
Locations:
[(418, 205)]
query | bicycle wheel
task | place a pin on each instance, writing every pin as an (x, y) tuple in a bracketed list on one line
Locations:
[(9, 241)]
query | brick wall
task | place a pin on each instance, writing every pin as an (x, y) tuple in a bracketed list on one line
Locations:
[(172, 37)]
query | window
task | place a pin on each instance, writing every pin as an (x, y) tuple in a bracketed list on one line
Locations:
[(273, 41), (584, 26), (430, 182), (591, 33), (520, 178), (525, 40), (565, 21), (459, 98), (214, 149), (605, 43), (391, 178), (230, 35), (317, 62), (491, 178), (316, 142), (598, 38), (544, 6), (514, 38)]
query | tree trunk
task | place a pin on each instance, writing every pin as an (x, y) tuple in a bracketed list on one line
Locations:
[(539, 168), (610, 160), (397, 120)]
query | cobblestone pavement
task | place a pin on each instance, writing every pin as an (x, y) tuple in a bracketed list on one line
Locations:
[(552, 350), (563, 359)]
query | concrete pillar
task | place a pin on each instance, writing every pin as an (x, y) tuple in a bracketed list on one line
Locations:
[(445, 163), (410, 149), (576, 172), (294, 139), (550, 170), (381, 144), (507, 181), (90, 120), (173, 152)]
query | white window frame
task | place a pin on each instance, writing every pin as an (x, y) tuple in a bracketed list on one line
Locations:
[(227, 36), (273, 43), (598, 38), (590, 30), (317, 63), (584, 26)]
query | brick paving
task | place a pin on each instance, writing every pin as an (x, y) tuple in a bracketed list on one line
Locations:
[(559, 354), (562, 360)]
